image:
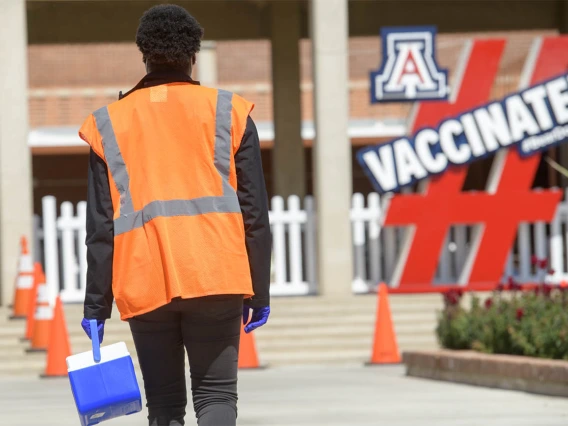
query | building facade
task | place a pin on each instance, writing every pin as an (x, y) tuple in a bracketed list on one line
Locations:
[(305, 64)]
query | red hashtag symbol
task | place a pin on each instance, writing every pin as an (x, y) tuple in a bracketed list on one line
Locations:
[(508, 201)]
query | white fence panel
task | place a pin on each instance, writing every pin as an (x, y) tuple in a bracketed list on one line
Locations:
[(358, 216), (559, 244), (310, 244), (375, 249), (524, 243), (65, 252), (50, 247), (69, 226), (278, 222), (288, 253), (82, 213), (375, 226)]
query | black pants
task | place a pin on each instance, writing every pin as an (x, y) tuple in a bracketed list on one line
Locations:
[(209, 328)]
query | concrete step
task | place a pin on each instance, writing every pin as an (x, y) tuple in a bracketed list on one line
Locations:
[(301, 330), (36, 367), (317, 306), (337, 343), (311, 357), (339, 330), (264, 343), (278, 318)]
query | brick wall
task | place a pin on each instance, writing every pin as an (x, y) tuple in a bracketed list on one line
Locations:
[(243, 63), (84, 65)]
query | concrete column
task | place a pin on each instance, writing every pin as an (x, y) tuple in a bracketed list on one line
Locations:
[(288, 167), (563, 148), (332, 149), (562, 16), (15, 158), (207, 64)]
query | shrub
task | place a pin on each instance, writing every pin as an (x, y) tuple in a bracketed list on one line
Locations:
[(512, 321)]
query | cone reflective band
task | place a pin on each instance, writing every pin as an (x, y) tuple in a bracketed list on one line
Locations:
[(39, 279), (24, 282), (42, 320)]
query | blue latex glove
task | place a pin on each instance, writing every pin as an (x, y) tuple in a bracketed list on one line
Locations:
[(87, 327), (258, 319)]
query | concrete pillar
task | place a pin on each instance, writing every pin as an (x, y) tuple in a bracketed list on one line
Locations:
[(562, 148), (332, 149), (15, 158), (207, 64), (288, 167), (562, 16)]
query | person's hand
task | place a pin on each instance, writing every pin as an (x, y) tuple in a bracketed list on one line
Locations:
[(258, 319), (100, 327)]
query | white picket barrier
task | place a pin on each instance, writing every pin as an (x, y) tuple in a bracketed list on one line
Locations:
[(375, 248), (366, 225), (559, 244), (65, 252), (534, 239), (290, 278)]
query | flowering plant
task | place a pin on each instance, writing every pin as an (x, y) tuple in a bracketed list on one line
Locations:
[(513, 320)]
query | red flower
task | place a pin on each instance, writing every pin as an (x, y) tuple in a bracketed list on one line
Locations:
[(450, 299), (534, 260), (513, 285), (551, 271), (543, 263), (488, 303), (453, 296), (520, 314), (547, 289)]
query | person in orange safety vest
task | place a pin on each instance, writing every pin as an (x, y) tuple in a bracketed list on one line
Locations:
[(177, 224)]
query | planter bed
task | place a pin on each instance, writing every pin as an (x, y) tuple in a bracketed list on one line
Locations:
[(536, 375)]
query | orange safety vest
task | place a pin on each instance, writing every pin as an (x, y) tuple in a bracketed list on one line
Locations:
[(178, 228)]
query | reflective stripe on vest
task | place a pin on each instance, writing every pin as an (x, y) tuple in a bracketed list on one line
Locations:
[(114, 159), (130, 219)]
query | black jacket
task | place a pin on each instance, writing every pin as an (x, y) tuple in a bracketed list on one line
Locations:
[(251, 191)]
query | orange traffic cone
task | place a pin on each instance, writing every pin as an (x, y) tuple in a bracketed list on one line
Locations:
[(59, 348), (385, 349), (39, 278), (248, 357), (24, 282), (42, 320)]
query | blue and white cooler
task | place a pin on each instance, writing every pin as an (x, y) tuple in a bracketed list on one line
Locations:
[(103, 382)]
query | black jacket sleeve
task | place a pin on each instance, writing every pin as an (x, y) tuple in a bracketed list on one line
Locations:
[(251, 191), (100, 241)]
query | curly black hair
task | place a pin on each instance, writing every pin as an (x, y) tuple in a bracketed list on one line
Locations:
[(168, 35)]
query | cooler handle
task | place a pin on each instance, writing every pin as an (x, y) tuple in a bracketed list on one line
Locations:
[(95, 340)]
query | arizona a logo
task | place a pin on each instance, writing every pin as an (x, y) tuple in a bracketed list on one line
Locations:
[(409, 71)]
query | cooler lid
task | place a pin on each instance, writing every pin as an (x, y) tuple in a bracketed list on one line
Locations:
[(108, 353)]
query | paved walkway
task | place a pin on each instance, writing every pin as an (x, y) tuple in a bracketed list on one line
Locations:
[(330, 396)]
